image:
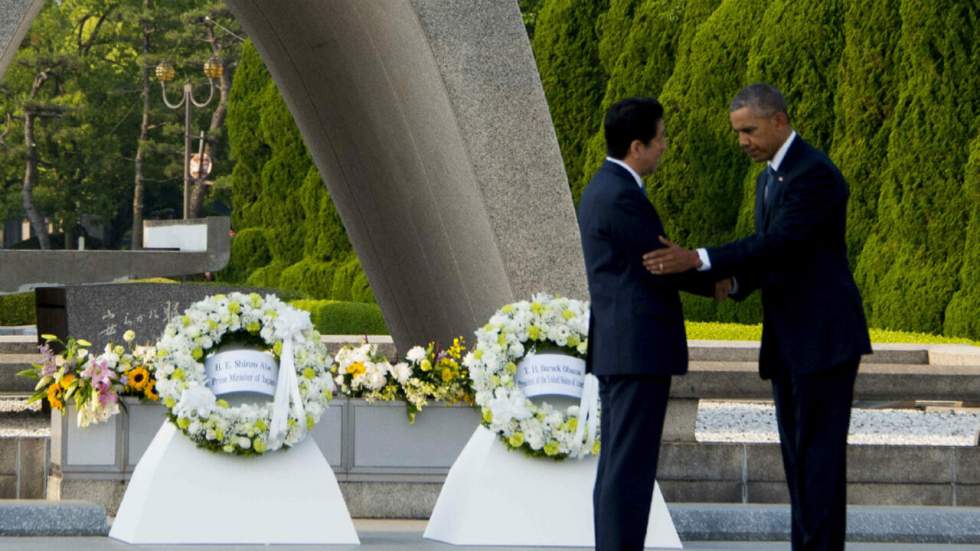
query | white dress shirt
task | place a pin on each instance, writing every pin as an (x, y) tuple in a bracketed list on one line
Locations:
[(774, 163), (639, 181)]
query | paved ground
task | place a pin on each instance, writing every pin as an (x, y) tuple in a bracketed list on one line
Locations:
[(403, 535)]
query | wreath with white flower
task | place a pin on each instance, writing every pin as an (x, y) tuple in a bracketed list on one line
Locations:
[(518, 331), (259, 322)]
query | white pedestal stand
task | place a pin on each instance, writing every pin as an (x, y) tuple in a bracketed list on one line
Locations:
[(493, 496), (182, 494)]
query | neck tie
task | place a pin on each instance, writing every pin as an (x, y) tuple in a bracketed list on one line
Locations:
[(770, 188)]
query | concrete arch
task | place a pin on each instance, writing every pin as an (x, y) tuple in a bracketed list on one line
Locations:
[(428, 123)]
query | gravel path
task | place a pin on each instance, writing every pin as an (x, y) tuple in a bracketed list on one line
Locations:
[(720, 421)]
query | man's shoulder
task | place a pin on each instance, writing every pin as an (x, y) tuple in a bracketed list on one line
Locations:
[(607, 181), (812, 161)]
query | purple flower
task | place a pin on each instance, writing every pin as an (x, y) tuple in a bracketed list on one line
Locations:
[(47, 360)]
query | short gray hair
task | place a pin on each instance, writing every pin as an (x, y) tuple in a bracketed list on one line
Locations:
[(764, 99)]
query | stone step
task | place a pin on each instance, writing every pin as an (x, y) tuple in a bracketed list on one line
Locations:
[(18, 330), (750, 522), (37, 517), (877, 382), (748, 351), (10, 365), (18, 344)]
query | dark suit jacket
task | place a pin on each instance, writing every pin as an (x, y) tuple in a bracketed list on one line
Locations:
[(636, 325), (812, 314)]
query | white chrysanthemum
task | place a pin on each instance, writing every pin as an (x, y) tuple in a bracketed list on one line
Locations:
[(401, 372), (197, 400), (504, 341), (416, 354)]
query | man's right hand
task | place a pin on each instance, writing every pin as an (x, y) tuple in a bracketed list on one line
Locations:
[(723, 288)]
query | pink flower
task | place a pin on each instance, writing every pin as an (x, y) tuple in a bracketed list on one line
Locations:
[(99, 373)]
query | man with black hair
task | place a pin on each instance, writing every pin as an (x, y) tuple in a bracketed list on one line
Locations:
[(813, 330), (636, 328)]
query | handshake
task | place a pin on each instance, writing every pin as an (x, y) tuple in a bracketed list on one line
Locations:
[(674, 259)]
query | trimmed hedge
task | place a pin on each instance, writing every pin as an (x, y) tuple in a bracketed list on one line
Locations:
[(637, 64), (17, 309), (567, 54), (331, 317), (889, 88), (249, 252), (290, 234), (864, 103), (910, 267), (699, 184), (963, 312)]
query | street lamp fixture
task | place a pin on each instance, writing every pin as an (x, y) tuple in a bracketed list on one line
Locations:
[(213, 69)]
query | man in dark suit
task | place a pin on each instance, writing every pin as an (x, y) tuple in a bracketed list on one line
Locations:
[(636, 330), (814, 330)]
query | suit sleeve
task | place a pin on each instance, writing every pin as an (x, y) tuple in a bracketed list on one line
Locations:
[(636, 228), (805, 211)]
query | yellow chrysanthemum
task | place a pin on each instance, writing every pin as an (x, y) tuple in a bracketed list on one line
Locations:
[(356, 369), (65, 382)]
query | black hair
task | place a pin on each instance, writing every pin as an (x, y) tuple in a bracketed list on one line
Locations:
[(631, 119), (763, 99)]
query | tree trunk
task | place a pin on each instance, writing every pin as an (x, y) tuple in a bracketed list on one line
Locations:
[(137, 234), (30, 178)]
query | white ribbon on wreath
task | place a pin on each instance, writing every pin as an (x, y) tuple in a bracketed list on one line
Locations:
[(588, 414), (289, 325)]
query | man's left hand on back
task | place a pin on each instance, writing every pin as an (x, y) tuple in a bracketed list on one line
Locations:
[(672, 259)]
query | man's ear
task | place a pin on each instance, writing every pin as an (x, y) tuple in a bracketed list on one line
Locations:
[(636, 147), (781, 118)]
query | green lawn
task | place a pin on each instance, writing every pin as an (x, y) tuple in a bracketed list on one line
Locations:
[(738, 332)]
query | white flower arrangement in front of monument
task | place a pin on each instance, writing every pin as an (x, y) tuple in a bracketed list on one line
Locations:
[(362, 372), (514, 335), (303, 385)]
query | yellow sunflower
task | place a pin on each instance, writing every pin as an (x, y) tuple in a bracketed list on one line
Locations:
[(137, 378), (54, 397), (148, 391)]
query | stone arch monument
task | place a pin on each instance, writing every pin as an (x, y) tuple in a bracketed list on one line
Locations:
[(429, 126)]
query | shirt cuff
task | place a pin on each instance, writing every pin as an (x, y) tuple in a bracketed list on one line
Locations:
[(705, 261)]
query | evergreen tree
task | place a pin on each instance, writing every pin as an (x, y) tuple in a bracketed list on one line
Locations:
[(864, 103), (911, 265), (699, 178), (963, 312), (650, 37), (276, 188), (567, 54)]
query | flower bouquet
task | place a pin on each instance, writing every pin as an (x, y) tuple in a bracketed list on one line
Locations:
[(93, 382), (362, 372), (436, 375)]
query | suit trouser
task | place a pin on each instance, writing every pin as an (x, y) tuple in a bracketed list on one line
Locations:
[(632, 421), (813, 412)]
